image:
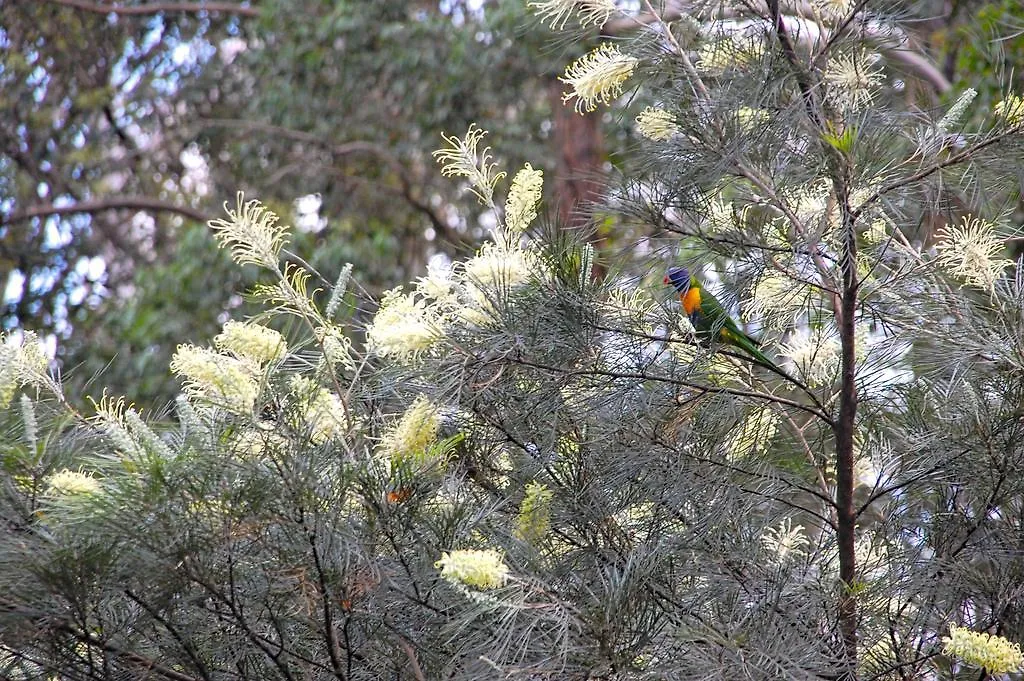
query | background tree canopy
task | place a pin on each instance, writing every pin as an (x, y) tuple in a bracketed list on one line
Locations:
[(131, 126)]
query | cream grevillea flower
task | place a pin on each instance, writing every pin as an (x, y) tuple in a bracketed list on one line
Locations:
[(534, 519), (786, 542), (852, 80), (324, 412), (229, 382), (656, 124), (833, 8), (597, 77), (483, 569), (493, 269), (403, 327), (438, 285), (337, 348), (23, 361), (112, 419), (252, 232), (521, 204), (461, 158), (254, 444), (815, 355), (1011, 108), (775, 300), (8, 374), (414, 433), (72, 483), (252, 341), (994, 654), (731, 51), (970, 251), (878, 231), (326, 415), (557, 12), (494, 265), (811, 202)]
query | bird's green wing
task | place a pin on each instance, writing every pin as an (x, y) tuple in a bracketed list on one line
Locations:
[(714, 318), (715, 321)]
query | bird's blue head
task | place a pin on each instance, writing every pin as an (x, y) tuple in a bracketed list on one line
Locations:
[(679, 277)]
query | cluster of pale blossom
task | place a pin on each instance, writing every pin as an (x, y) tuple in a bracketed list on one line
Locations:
[(23, 362), (229, 375), (463, 158), (750, 119), (324, 412), (407, 324), (216, 377), (785, 542), (255, 444), (125, 429), (730, 51), (521, 205), (410, 440), (534, 518), (994, 654), (251, 341), (813, 205), (815, 355), (852, 80), (479, 568), (1011, 109), (970, 250), (833, 8), (776, 299), (404, 326), (337, 348), (598, 77), (252, 233), (656, 124), (557, 12), (72, 483)]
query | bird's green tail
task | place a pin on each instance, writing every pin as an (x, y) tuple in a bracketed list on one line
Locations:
[(747, 345)]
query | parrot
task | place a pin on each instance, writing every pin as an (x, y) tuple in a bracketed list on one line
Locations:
[(709, 318)]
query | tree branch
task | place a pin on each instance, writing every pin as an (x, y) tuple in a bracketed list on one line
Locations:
[(644, 376), (99, 205), (915, 62), (145, 663), (160, 7), (966, 154), (405, 180)]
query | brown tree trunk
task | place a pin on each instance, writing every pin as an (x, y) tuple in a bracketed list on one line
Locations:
[(580, 152)]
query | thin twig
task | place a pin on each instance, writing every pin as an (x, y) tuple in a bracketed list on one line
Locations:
[(161, 7), (99, 205)]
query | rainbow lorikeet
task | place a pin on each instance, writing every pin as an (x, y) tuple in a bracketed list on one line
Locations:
[(709, 318)]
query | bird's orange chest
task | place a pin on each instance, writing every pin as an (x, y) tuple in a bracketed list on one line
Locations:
[(691, 300)]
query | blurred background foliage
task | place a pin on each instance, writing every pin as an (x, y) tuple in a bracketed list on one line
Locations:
[(129, 123)]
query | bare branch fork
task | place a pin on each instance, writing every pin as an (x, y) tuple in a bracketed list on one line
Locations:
[(406, 181), (143, 203), (161, 7)]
